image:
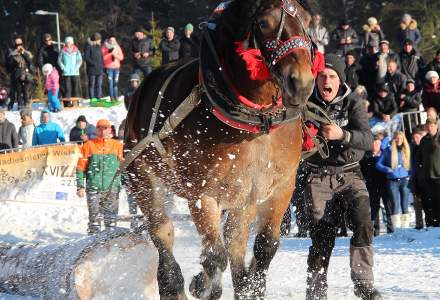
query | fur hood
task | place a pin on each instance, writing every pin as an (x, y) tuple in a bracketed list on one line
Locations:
[(93, 43), (110, 46), (368, 28), (412, 25)]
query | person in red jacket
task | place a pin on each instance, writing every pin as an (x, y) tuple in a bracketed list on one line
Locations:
[(113, 56), (431, 91)]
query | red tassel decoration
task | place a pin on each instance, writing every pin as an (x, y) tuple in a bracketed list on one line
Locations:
[(255, 64)]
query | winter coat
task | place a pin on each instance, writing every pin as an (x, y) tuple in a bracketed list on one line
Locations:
[(170, 50), (431, 95), (189, 47), (350, 115), (340, 34), (428, 158), (93, 58), (352, 75), (374, 178), (99, 163), (45, 134), (411, 65), (396, 82), (26, 133), (8, 135), (20, 65), (112, 55), (70, 60), (142, 46), (320, 36), (52, 81), (372, 35), (384, 165), (412, 101), (48, 55), (384, 106), (410, 32), (76, 132), (368, 72)]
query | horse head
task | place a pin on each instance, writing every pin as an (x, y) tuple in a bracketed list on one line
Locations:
[(278, 28)]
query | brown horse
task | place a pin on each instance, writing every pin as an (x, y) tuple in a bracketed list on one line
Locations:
[(247, 171)]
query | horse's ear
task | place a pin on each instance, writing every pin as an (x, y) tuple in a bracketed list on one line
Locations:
[(243, 14)]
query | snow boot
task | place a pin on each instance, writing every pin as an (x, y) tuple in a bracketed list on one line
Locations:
[(396, 221), (404, 220), (366, 292)]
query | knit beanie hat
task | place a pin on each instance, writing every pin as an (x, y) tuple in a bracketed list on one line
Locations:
[(372, 21), (69, 39), (189, 27), (47, 68), (431, 74), (96, 36), (337, 64), (81, 118)]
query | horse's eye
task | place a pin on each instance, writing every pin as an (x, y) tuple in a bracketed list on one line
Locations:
[(263, 24)]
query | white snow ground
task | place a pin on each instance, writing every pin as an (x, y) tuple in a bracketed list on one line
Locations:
[(407, 263)]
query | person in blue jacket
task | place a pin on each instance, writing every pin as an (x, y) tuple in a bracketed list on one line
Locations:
[(47, 132), (395, 162)]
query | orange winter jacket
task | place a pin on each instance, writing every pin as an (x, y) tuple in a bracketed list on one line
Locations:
[(99, 163), (112, 60)]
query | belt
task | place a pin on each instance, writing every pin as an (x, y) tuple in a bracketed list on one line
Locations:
[(399, 179), (332, 170)]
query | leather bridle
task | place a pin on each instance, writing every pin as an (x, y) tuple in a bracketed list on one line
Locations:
[(276, 49)]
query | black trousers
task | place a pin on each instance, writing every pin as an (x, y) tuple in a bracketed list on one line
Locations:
[(431, 202), (378, 191), (328, 197)]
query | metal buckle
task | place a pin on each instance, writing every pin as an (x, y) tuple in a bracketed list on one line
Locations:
[(289, 8)]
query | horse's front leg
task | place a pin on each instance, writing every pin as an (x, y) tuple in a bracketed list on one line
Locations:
[(236, 235), (161, 230), (270, 215), (206, 215)]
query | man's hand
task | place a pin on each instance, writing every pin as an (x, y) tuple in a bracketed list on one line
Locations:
[(342, 41), (145, 55), (81, 192), (137, 55), (332, 132), (84, 137)]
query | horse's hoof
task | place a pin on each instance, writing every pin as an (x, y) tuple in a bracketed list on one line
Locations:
[(202, 287)]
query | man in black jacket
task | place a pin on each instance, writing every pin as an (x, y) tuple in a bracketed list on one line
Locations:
[(412, 63), (169, 46), (189, 43), (8, 133), (95, 65), (142, 49), (344, 38), (384, 106), (395, 80), (335, 185), (352, 70), (48, 53), (434, 65)]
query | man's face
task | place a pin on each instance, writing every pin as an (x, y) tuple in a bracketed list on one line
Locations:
[(410, 87), (134, 84), (384, 48), (188, 33), (383, 94), (432, 129), (82, 125), (392, 67), (18, 43), (316, 20), (48, 42), (349, 59), (407, 48), (26, 120), (45, 118), (345, 26), (328, 84), (437, 58), (376, 146), (417, 138), (170, 35), (432, 113), (103, 132), (139, 35)]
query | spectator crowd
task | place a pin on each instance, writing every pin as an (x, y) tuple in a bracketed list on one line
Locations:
[(394, 83)]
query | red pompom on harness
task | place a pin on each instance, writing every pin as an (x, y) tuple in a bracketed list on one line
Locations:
[(308, 143), (255, 64)]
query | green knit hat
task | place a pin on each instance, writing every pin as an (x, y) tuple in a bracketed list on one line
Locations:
[(189, 27)]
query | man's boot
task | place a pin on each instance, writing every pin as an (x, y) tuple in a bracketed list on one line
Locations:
[(366, 291), (93, 228)]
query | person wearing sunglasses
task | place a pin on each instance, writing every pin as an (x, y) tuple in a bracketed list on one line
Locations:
[(95, 171)]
